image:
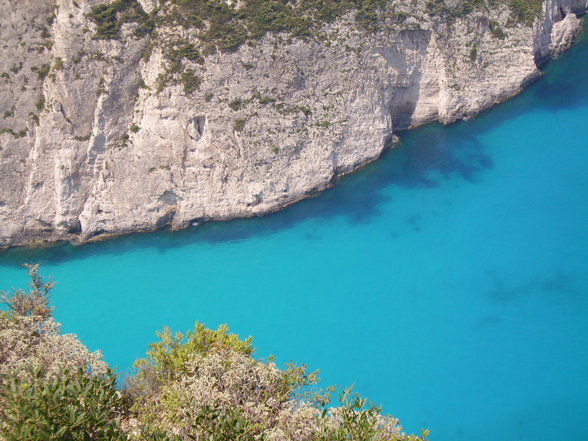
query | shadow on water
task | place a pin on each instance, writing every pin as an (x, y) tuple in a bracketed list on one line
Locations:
[(554, 284), (426, 158)]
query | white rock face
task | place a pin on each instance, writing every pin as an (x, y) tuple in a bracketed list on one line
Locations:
[(109, 154)]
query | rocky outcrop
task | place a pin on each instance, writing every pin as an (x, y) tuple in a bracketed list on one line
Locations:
[(94, 143)]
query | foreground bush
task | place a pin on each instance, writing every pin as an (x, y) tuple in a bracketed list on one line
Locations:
[(70, 406), (206, 385), (30, 337), (201, 385)]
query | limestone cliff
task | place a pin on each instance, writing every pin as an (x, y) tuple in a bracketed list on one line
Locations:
[(104, 135)]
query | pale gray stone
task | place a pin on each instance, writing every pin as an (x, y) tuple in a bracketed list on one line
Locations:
[(74, 177)]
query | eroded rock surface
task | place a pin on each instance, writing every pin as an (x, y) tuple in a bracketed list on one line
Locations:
[(94, 144)]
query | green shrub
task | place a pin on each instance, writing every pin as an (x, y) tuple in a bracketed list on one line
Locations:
[(123, 141), (34, 117), (190, 81), (273, 16), (474, 52), (525, 11), (40, 104), (185, 51), (241, 398), (367, 16), (161, 82), (147, 52), (16, 68), (16, 135), (101, 87), (236, 104), (357, 420), (35, 302), (58, 64), (438, 8), (220, 424), (166, 357), (42, 71), (109, 17), (465, 7), (496, 30), (85, 137), (70, 406), (229, 26), (105, 17), (239, 124), (305, 110), (267, 100), (134, 128), (226, 26), (455, 10), (200, 385)]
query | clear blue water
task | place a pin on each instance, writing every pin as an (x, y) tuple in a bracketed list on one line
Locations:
[(448, 281)]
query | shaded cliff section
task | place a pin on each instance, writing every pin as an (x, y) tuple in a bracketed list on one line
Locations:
[(104, 136)]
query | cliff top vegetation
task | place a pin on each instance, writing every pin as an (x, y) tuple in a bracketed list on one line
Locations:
[(225, 25), (192, 29)]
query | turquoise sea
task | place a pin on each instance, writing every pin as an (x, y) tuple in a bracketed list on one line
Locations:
[(448, 280)]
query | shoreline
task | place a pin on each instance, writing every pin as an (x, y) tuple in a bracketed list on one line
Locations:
[(76, 241), (84, 193)]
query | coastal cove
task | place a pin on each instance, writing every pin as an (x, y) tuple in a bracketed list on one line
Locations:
[(448, 280)]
